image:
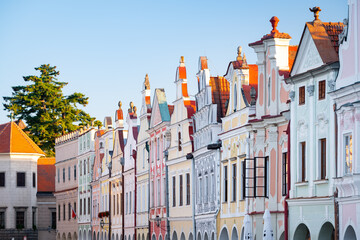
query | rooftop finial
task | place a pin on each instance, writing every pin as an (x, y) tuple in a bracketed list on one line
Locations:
[(316, 11), (182, 59), (146, 82), (274, 22), (119, 104), (131, 109), (244, 59), (239, 49)]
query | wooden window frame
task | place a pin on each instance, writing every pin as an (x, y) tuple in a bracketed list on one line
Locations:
[(234, 182), (284, 174), (302, 95), (225, 184), (188, 189), (181, 192), (174, 190), (303, 161), (322, 89), (322, 143)]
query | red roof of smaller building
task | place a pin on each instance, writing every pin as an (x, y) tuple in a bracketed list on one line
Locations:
[(220, 92), (46, 175), (15, 140)]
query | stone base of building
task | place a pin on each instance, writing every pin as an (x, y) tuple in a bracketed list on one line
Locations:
[(8, 234)]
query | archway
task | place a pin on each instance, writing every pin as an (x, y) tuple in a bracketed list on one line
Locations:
[(138, 237), (206, 236), (282, 236), (212, 236), (58, 236), (160, 237), (80, 235), (190, 236), (174, 236), (94, 236), (147, 236), (224, 234), (75, 236), (69, 236), (182, 236), (142, 237), (63, 236), (153, 237), (350, 233), (113, 236), (98, 236), (198, 236), (117, 236), (302, 233), (234, 234), (102, 236), (327, 231), (242, 235)]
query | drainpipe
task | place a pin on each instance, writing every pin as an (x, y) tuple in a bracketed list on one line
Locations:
[(135, 196), (110, 168), (166, 153), (122, 198), (147, 147), (336, 204), (286, 207), (191, 156)]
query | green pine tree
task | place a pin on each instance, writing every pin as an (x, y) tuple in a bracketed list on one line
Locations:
[(47, 112)]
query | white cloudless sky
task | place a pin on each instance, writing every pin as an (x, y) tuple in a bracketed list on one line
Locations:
[(104, 48)]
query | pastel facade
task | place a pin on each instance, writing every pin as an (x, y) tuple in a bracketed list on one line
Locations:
[(313, 168), (66, 185), (142, 165), (242, 80), (95, 186), (129, 174), (18, 188), (180, 167), (159, 142), (267, 133), (117, 177), (85, 158), (346, 97), (213, 92)]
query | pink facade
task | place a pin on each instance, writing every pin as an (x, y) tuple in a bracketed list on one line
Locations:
[(159, 125), (267, 132)]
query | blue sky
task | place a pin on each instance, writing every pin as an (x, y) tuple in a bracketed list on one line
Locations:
[(104, 48)]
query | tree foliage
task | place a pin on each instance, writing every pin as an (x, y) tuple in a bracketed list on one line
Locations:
[(47, 112)]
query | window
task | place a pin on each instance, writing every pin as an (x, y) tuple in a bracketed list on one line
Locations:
[(20, 219), (322, 89), (181, 190), (130, 203), (64, 212), (179, 141), (174, 190), (58, 175), (302, 95), (213, 194), (2, 219), (2, 179), (117, 204), (63, 174), (80, 168), (34, 179), (69, 211), (74, 172), (75, 209), (20, 179), (225, 184), (284, 174), (206, 179), (34, 217), (80, 206), (158, 192), (84, 167), (158, 148), (69, 173), (188, 189), (234, 182), (322, 143), (126, 203), (59, 213), (88, 165), (303, 161), (348, 153), (84, 206), (53, 220), (235, 98), (200, 190)]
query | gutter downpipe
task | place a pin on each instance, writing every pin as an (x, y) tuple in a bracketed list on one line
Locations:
[(336, 205), (166, 153), (286, 207), (122, 197), (191, 156)]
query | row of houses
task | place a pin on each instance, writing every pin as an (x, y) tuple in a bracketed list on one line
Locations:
[(265, 151)]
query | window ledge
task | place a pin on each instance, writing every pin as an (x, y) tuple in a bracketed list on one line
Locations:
[(321, 181), (299, 184)]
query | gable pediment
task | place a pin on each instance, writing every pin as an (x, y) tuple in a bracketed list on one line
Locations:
[(155, 114), (308, 56)]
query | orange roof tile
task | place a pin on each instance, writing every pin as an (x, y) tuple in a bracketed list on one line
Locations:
[(15, 140), (220, 92), (46, 175)]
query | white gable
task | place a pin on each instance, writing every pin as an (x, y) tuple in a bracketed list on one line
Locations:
[(155, 113), (308, 56)]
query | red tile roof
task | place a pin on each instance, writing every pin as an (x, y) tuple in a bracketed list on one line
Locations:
[(171, 109), (325, 36), (220, 92), (46, 175), (203, 63), (15, 140)]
